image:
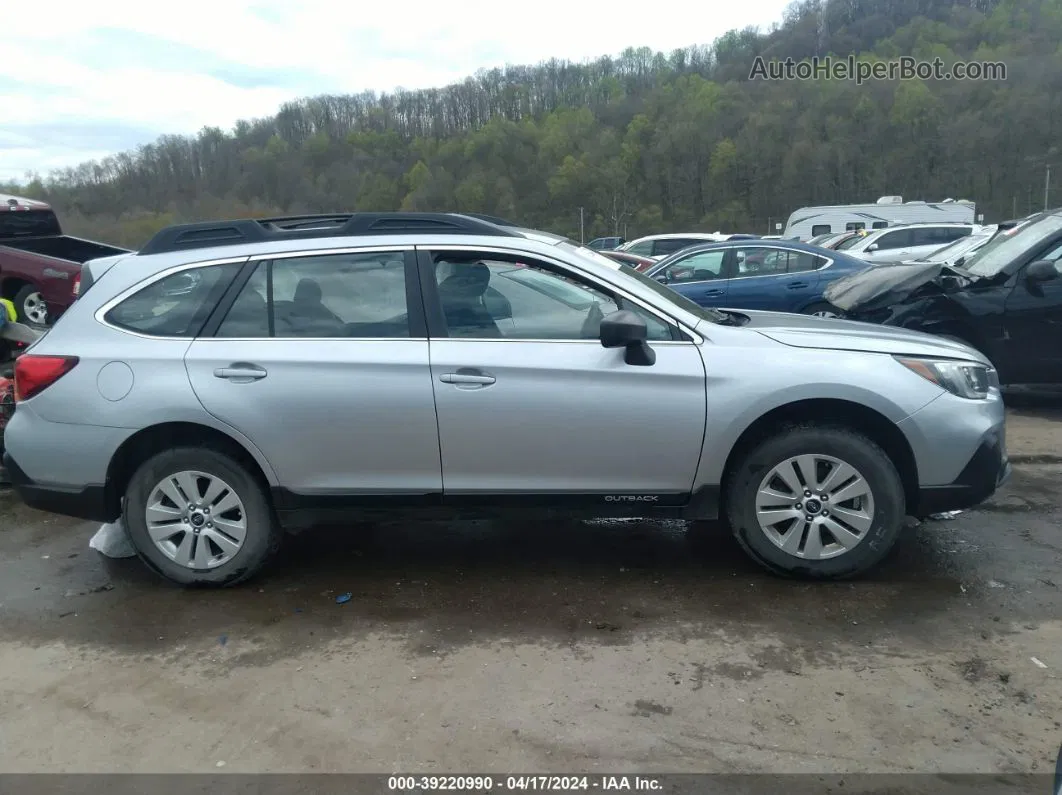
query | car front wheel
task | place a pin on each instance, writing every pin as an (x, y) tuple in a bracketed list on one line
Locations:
[(817, 502), (823, 309), (199, 517)]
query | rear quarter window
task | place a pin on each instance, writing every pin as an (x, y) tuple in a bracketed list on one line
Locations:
[(177, 305)]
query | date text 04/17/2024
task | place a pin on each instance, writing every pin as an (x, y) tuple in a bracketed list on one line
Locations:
[(522, 783)]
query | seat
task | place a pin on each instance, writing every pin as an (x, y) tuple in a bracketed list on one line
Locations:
[(248, 317), (461, 294), (309, 316)]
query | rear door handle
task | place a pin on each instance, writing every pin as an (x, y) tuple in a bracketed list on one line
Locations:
[(712, 292), (244, 373), (797, 285), (467, 378)]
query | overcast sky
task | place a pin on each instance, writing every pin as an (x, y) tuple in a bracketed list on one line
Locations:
[(81, 80)]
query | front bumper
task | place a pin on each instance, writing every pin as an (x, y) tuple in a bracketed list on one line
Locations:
[(988, 469), (88, 502)]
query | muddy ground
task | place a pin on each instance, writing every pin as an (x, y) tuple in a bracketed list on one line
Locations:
[(547, 648)]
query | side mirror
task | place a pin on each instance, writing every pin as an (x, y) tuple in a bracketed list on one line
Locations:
[(1042, 270), (625, 329), (872, 247)]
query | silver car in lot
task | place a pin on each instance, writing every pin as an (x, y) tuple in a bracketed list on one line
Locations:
[(903, 243), (234, 381)]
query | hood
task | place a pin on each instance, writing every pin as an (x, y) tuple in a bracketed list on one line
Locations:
[(808, 331), (884, 285)]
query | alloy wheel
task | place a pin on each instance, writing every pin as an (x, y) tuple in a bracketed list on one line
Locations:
[(814, 506), (34, 309), (196, 520)]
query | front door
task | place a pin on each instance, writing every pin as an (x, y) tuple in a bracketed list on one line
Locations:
[(698, 276), (320, 363), (531, 405), (1032, 320)]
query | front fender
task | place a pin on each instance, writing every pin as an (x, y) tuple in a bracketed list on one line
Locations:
[(745, 385)]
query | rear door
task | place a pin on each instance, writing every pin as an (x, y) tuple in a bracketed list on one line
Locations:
[(776, 278), (322, 362), (927, 239), (531, 407)]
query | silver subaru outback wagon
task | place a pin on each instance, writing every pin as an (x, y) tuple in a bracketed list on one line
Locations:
[(234, 381)]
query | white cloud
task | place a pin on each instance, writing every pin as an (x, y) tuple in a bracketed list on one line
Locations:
[(146, 87)]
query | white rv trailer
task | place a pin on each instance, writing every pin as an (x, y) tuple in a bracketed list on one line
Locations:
[(807, 222)]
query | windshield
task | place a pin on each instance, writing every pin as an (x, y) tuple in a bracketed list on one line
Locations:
[(849, 242), (953, 250), (993, 257), (669, 295)]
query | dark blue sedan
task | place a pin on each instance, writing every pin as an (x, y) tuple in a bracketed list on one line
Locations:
[(782, 276)]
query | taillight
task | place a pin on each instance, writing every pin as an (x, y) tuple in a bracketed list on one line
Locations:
[(34, 374), (76, 289)]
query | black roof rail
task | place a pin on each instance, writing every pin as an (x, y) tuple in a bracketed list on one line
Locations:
[(207, 234), (493, 219)]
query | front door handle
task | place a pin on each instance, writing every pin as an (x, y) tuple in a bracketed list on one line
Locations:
[(467, 378), (241, 373), (712, 292), (797, 285)]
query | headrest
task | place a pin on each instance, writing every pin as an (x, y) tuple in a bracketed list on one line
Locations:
[(308, 291), (468, 280)]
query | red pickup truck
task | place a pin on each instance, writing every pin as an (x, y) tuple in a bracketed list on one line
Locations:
[(40, 267)]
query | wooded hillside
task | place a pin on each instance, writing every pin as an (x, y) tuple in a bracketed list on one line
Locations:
[(645, 142)]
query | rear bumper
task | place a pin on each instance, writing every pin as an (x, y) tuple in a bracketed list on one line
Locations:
[(987, 470), (88, 502)]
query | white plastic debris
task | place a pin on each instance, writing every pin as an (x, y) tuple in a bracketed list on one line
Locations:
[(1038, 663), (113, 541)]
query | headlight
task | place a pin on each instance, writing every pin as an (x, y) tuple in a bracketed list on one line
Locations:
[(965, 379)]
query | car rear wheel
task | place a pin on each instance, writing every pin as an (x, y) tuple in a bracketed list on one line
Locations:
[(199, 517), (816, 502), (30, 307), (822, 309)]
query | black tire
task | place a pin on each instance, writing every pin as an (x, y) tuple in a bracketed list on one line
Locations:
[(263, 535), (20, 303), (822, 306), (846, 445)]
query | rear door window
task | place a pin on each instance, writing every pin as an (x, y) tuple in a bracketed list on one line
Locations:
[(643, 249), (672, 244), (177, 305), (334, 295), (939, 235)]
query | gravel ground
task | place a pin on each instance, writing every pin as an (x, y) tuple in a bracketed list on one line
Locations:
[(613, 647)]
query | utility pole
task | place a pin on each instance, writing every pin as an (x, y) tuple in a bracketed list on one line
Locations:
[(1047, 186), (582, 234)]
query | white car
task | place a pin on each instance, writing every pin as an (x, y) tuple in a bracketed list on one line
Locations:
[(905, 243), (660, 246)]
